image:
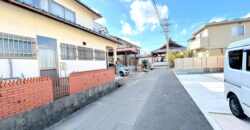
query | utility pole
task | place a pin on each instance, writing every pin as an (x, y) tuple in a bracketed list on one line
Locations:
[(164, 23)]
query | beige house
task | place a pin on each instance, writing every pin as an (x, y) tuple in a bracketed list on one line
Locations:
[(126, 53), (213, 38), (51, 37)]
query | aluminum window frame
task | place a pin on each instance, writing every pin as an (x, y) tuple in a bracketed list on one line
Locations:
[(85, 52), (68, 49), (101, 56), (17, 54)]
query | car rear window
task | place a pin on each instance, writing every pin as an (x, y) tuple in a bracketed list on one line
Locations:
[(235, 59)]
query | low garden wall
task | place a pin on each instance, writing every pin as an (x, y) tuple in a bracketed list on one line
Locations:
[(21, 95), (29, 103), (81, 81)]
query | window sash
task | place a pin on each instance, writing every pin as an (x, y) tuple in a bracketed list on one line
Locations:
[(99, 55), (68, 52), (56, 9), (85, 53), (13, 46), (238, 30), (69, 15)]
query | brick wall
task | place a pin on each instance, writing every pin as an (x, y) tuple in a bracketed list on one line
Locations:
[(17, 96), (81, 81)]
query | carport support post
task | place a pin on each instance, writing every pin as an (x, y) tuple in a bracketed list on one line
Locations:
[(126, 62), (135, 63)]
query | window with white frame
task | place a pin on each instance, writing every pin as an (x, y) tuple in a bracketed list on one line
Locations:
[(99, 55), (13, 46), (85, 53), (238, 30), (68, 52)]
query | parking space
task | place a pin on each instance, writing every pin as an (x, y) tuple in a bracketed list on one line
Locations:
[(207, 90)]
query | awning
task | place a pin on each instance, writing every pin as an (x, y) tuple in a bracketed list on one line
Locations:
[(123, 51)]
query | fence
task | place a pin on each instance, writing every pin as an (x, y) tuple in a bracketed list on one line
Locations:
[(60, 87), (204, 62), (17, 96)]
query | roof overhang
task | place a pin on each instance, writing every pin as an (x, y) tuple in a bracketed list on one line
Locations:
[(123, 51), (220, 23), (46, 14)]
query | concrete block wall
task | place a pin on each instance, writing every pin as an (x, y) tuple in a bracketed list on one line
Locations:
[(17, 96), (81, 81), (196, 63)]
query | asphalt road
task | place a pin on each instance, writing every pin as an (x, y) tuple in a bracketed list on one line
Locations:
[(155, 101)]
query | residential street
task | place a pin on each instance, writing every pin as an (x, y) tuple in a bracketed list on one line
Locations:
[(154, 101)]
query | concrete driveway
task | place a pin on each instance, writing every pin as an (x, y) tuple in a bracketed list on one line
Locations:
[(153, 101), (207, 90)]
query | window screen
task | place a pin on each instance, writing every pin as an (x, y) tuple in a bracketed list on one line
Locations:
[(85, 53), (235, 59), (99, 55)]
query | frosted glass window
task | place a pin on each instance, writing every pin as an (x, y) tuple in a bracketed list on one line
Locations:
[(47, 58)]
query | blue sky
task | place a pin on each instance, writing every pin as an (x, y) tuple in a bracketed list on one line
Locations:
[(135, 20)]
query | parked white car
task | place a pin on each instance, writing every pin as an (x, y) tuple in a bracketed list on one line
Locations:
[(237, 78)]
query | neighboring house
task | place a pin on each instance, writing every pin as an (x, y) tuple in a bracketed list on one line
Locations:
[(126, 52), (213, 38), (147, 58), (160, 54), (51, 37)]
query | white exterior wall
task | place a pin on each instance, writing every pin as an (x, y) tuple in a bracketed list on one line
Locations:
[(29, 68), (81, 65), (22, 22)]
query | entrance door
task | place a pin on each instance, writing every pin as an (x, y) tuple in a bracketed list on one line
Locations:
[(47, 56)]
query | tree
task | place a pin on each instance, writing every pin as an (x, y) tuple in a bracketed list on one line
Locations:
[(172, 56), (188, 53)]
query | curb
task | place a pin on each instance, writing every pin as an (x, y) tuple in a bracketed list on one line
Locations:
[(209, 118)]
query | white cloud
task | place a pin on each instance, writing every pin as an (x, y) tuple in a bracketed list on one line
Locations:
[(217, 19), (184, 32), (130, 41), (101, 21), (175, 26), (153, 27), (144, 51), (127, 29), (143, 14), (247, 16)]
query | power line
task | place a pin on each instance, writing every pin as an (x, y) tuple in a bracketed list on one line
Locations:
[(164, 24)]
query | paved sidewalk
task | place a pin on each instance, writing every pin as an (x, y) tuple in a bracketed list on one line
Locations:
[(155, 101), (207, 90)]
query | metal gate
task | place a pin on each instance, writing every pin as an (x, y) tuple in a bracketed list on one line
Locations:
[(60, 87)]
